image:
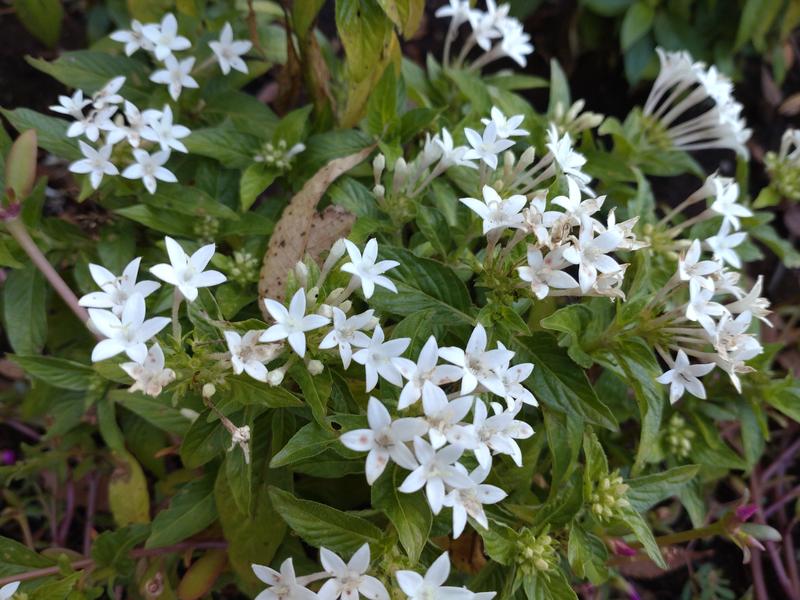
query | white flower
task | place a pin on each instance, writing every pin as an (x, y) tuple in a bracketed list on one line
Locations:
[(576, 208), (247, 355), (512, 378), (364, 267), (283, 585), (229, 51), (498, 434), (485, 24), (347, 333), (96, 163), (727, 193), (128, 333), (431, 586), (506, 127), (477, 364), (496, 212), (444, 418), (457, 10), (149, 167), (700, 308), (72, 105), (684, 376), (133, 39), (133, 131), (545, 272), (569, 161), (452, 156), (185, 272), (723, 244), (91, 124), (486, 147), (162, 130), (515, 43), (149, 376), (690, 267), (165, 38), (176, 75), (349, 580), (384, 440), (424, 370), (8, 590), (107, 95), (377, 358), (116, 290), (753, 303), (434, 471), (470, 501), (292, 324), (591, 256)]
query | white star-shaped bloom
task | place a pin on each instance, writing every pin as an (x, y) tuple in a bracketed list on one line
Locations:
[(422, 371), (229, 51), (723, 244), (690, 267), (247, 355), (349, 580), (685, 376), (185, 272), (512, 379), (470, 501), (431, 586), (569, 161), (701, 308), (725, 201), (451, 155), (149, 168), (591, 256), (364, 267), (72, 105), (347, 332), (96, 163), (164, 37), (116, 290), (150, 376), (385, 439), (477, 364), (545, 272), (498, 434), (496, 212), (435, 470), (377, 358), (133, 38), (161, 129), (486, 147), (108, 95), (506, 127), (91, 124), (126, 333), (282, 584), (444, 418), (176, 75), (134, 130), (292, 324), (457, 10)]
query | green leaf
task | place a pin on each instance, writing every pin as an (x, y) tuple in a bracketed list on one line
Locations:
[(191, 510), (51, 132), (756, 19), (422, 284), (239, 473), (58, 372), (154, 410), (204, 441), (587, 555), (224, 143), (316, 390), (596, 461), (42, 18), (309, 441), (575, 321), (255, 179), (644, 534), (18, 558), (499, 542), (382, 104), (24, 314), (645, 492), (409, 513), (249, 392), (321, 525), (637, 21), (186, 200), (405, 14), (548, 586), (111, 549), (560, 384), (128, 496), (559, 88)]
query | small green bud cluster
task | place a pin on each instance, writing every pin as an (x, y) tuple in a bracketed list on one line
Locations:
[(206, 228), (274, 155), (608, 497), (537, 554), (679, 437), (244, 268), (785, 175)]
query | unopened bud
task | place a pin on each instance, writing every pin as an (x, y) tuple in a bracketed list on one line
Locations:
[(312, 294), (527, 158), (346, 306), (400, 174), (379, 191), (275, 377), (209, 390), (378, 165), (189, 414), (372, 323), (301, 273), (315, 367), (325, 310)]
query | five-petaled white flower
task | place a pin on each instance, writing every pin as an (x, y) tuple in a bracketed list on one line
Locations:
[(107, 96), (185, 272), (229, 51), (545, 272), (282, 584), (498, 434), (457, 10), (451, 155), (496, 212), (727, 193), (149, 168), (723, 244), (701, 308), (691, 268), (591, 256), (470, 500), (384, 440), (96, 163), (435, 470), (512, 379), (346, 333), (126, 333), (486, 147), (424, 370), (569, 161), (364, 267), (116, 290), (71, 105), (292, 324), (91, 123), (349, 580), (506, 127), (377, 358), (164, 37), (431, 586), (477, 364), (176, 75), (149, 376), (133, 38), (133, 131), (247, 355), (444, 418), (685, 376), (162, 130)]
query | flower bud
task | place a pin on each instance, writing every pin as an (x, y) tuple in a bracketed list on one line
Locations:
[(400, 174), (315, 367), (189, 414), (346, 306), (312, 294), (301, 273), (378, 165), (275, 377), (209, 390), (379, 191)]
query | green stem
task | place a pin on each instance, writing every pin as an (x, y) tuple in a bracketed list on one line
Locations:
[(177, 298)]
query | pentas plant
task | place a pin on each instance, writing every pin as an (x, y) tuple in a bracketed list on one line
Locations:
[(473, 325)]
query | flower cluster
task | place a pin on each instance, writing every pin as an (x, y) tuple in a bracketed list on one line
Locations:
[(349, 581), (497, 33), (784, 166), (684, 88)]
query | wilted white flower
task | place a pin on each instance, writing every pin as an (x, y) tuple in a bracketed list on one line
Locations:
[(247, 355), (185, 272), (149, 376)]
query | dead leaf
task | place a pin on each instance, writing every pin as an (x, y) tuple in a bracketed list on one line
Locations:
[(466, 552), (333, 223), (289, 240)]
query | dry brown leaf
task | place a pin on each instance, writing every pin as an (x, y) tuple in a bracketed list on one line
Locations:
[(289, 240), (466, 552), (333, 223)]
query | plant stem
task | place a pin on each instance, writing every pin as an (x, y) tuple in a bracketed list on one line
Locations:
[(177, 298)]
